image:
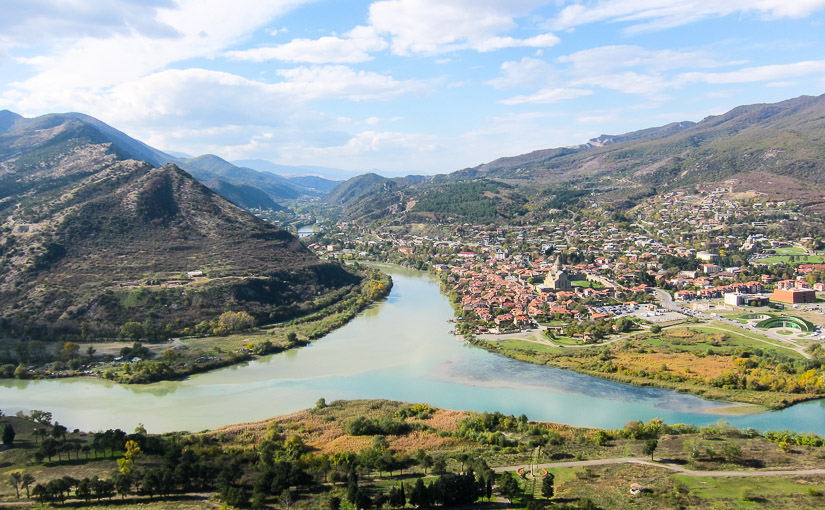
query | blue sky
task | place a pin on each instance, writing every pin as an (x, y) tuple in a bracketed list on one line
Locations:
[(401, 86)]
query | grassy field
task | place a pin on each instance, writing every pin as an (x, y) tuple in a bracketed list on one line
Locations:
[(800, 259), (758, 492), (587, 284), (752, 339), (790, 250)]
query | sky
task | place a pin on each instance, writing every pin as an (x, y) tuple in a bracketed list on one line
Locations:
[(401, 86)]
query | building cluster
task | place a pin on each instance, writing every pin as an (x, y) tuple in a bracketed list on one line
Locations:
[(518, 275)]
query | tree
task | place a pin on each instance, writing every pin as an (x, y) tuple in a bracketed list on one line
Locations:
[(396, 497), (650, 447), (419, 495), (84, 489), (508, 486), (352, 487), (123, 484), (334, 503), (320, 404), (14, 480), (127, 463), (655, 329), (131, 329), (548, 489), (27, 480), (362, 500), (8, 434), (41, 417), (69, 350), (731, 452)]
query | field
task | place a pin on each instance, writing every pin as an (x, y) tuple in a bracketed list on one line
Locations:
[(786, 259), (587, 284), (790, 250)]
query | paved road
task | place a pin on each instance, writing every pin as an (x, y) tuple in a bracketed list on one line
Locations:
[(672, 467)]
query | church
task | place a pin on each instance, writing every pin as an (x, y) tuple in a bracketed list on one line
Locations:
[(557, 278)]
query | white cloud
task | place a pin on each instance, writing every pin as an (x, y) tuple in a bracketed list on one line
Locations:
[(354, 47), (499, 43), (526, 73), (647, 84), (661, 14), (106, 57), (372, 121), (631, 69), (200, 99), (545, 96), (606, 58), (438, 26), (757, 73), (33, 22), (342, 82)]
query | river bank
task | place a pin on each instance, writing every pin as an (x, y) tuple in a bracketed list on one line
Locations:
[(137, 362), (398, 349), (613, 363)]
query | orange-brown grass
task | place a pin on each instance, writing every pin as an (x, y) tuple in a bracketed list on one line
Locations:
[(344, 443), (444, 419), (323, 430), (711, 366)]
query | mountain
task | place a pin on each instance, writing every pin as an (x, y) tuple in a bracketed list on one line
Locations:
[(313, 182), (775, 149), (7, 120), (262, 165), (248, 197), (210, 168), (91, 239), (784, 140)]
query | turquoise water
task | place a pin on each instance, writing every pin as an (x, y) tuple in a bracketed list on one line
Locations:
[(399, 349)]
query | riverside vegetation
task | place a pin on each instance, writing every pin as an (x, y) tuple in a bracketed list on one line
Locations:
[(704, 361), (383, 454), (144, 355)]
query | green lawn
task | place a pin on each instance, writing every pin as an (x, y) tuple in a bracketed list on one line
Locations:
[(791, 250), (785, 259), (524, 346), (757, 492), (737, 337), (586, 284)]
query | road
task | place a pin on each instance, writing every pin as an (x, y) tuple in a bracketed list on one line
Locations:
[(666, 301), (671, 467)]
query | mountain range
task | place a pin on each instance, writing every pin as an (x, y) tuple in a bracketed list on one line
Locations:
[(98, 229), (775, 149)]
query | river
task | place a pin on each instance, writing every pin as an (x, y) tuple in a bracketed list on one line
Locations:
[(398, 349)]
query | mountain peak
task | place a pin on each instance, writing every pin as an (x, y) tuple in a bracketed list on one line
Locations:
[(95, 240)]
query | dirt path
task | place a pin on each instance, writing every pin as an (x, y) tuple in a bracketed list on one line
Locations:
[(672, 467)]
